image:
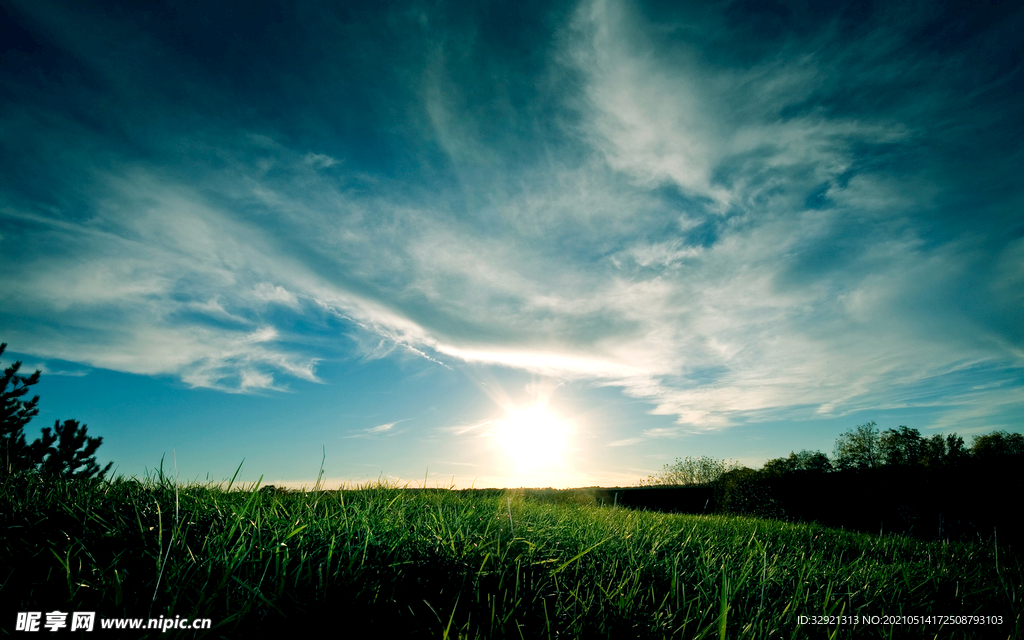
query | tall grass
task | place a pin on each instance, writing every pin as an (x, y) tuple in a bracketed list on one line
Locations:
[(449, 564)]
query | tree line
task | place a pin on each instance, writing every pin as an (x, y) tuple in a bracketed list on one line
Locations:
[(863, 447), (65, 450), (892, 480), (867, 447)]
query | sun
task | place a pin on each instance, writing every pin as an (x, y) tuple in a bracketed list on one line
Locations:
[(534, 438)]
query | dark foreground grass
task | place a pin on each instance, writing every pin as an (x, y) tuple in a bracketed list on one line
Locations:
[(453, 565)]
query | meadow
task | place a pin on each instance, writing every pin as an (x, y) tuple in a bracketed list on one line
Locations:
[(261, 562)]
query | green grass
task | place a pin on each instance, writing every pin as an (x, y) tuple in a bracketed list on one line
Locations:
[(462, 565)]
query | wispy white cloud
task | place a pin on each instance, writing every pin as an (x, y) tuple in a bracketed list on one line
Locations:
[(381, 429), (625, 442), (319, 160), (709, 334), (711, 237), (44, 369), (275, 293)]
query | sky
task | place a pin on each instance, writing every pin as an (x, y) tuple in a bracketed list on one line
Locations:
[(502, 244)]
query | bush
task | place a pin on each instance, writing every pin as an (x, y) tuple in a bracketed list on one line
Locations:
[(746, 491), (702, 470)]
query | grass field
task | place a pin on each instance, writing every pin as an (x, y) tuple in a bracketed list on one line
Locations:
[(450, 564)]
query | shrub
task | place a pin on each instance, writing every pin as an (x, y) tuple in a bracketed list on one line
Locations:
[(702, 470), (746, 492)]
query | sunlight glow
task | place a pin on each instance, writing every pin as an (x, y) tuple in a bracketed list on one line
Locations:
[(534, 438)]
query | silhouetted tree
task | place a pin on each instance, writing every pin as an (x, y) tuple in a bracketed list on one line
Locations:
[(812, 461), (803, 461), (998, 443), (857, 448), (68, 451), (943, 451), (900, 447), (780, 466), (15, 413), (956, 452), (691, 471), (933, 452)]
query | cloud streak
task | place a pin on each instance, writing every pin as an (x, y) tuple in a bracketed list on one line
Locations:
[(729, 226)]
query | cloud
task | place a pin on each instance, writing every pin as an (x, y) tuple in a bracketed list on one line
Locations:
[(319, 160), (728, 224), (46, 370), (381, 428), (275, 293), (386, 429), (625, 442), (156, 292)]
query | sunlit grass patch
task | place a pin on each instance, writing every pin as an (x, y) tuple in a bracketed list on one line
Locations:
[(454, 564)]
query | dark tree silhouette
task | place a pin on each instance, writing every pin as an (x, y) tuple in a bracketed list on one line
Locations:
[(955, 450), (803, 461), (780, 466), (15, 413), (858, 448), (938, 451), (812, 461), (66, 450), (900, 447), (998, 443)]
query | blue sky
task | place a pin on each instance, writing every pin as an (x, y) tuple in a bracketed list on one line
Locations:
[(506, 244)]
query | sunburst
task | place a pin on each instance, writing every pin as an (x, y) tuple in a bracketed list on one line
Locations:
[(533, 438)]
